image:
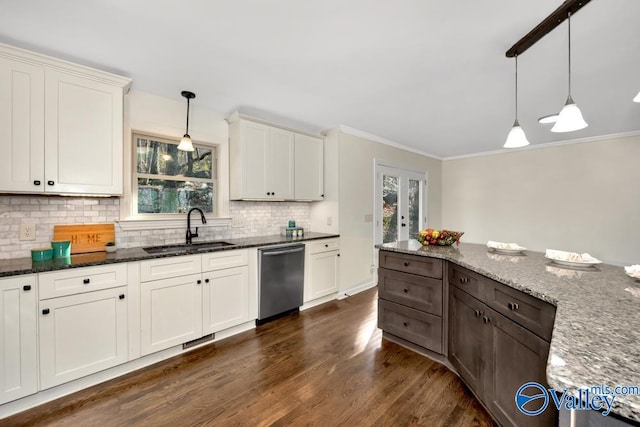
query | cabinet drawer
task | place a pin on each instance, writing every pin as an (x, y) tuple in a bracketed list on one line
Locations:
[(165, 268), (79, 280), (323, 246), (470, 282), (423, 266), (224, 259), (535, 315), (412, 325), (418, 292)]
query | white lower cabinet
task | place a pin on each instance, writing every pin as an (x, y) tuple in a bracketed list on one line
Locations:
[(171, 312), (18, 338), (177, 308), (225, 301), (82, 334), (321, 270)]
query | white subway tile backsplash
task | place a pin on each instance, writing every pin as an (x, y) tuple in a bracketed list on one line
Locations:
[(250, 219)]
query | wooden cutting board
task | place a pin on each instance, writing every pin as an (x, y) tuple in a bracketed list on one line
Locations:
[(85, 237)]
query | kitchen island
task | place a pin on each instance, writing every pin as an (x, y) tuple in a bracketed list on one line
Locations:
[(596, 339)]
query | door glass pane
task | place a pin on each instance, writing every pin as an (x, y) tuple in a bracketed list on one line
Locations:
[(389, 208), (414, 208)]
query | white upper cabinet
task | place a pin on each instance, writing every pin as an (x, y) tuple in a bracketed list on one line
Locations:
[(61, 126), (309, 170), (21, 126), (264, 158)]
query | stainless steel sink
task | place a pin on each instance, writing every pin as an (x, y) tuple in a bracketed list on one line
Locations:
[(193, 248)]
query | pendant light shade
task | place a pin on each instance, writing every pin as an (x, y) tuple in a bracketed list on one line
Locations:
[(637, 98), (516, 137), (570, 117), (185, 142)]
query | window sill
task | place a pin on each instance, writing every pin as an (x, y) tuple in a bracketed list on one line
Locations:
[(154, 224)]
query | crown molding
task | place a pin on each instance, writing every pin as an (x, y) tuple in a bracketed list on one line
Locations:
[(545, 145), (40, 60), (371, 137)]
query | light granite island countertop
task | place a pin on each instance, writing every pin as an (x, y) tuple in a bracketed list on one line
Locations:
[(596, 334)]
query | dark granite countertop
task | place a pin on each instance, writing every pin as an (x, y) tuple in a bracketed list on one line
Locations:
[(596, 335), (13, 267)]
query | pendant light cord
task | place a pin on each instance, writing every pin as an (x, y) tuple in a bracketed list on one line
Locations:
[(569, 26), (516, 56), (187, 131)]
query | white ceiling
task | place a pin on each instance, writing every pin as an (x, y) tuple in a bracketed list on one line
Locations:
[(427, 74)]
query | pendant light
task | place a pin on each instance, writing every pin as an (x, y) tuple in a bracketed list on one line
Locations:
[(516, 137), (185, 142), (570, 117), (637, 98)]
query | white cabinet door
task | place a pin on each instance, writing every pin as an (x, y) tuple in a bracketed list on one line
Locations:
[(82, 334), (225, 300), (18, 338), (256, 168), (323, 274), (171, 312), (21, 127), (83, 135), (280, 171), (309, 168)]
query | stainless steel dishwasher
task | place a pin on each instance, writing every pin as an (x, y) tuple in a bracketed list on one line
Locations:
[(281, 275)]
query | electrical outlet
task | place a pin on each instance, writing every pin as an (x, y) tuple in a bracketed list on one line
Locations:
[(27, 232)]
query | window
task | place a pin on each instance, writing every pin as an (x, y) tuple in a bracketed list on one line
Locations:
[(169, 181)]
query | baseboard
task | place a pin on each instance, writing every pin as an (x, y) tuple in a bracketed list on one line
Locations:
[(357, 289)]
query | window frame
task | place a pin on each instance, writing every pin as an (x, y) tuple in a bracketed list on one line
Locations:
[(135, 215)]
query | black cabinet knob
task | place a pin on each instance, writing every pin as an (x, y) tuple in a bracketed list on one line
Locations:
[(36, 182), (50, 183), (338, 254), (86, 281), (206, 280), (406, 264), (326, 246), (26, 287), (406, 291), (405, 324), (45, 311), (199, 281), (322, 195), (121, 296)]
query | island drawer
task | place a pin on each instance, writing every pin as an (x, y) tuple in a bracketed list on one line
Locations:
[(423, 266), (412, 325), (79, 280), (411, 290), (530, 312), (472, 283)]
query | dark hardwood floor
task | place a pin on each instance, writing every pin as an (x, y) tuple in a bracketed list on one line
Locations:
[(326, 366)]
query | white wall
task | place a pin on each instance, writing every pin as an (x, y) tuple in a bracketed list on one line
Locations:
[(581, 197), (355, 188)]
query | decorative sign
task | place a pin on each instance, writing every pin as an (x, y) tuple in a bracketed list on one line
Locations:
[(85, 237)]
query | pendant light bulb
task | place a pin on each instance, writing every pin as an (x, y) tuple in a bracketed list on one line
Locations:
[(570, 117), (637, 98), (516, 137), (185, 142)]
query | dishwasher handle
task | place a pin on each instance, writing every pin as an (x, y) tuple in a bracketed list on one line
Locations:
[(286, 251)]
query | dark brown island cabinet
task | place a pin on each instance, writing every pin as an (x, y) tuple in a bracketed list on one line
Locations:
[(494, 337)]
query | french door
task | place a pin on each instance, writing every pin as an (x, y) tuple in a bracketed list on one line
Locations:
[(400, 210)]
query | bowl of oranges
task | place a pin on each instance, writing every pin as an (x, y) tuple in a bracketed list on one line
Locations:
[(439, 237)]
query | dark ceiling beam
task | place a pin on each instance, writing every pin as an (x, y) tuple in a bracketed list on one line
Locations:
[(546, 26)]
